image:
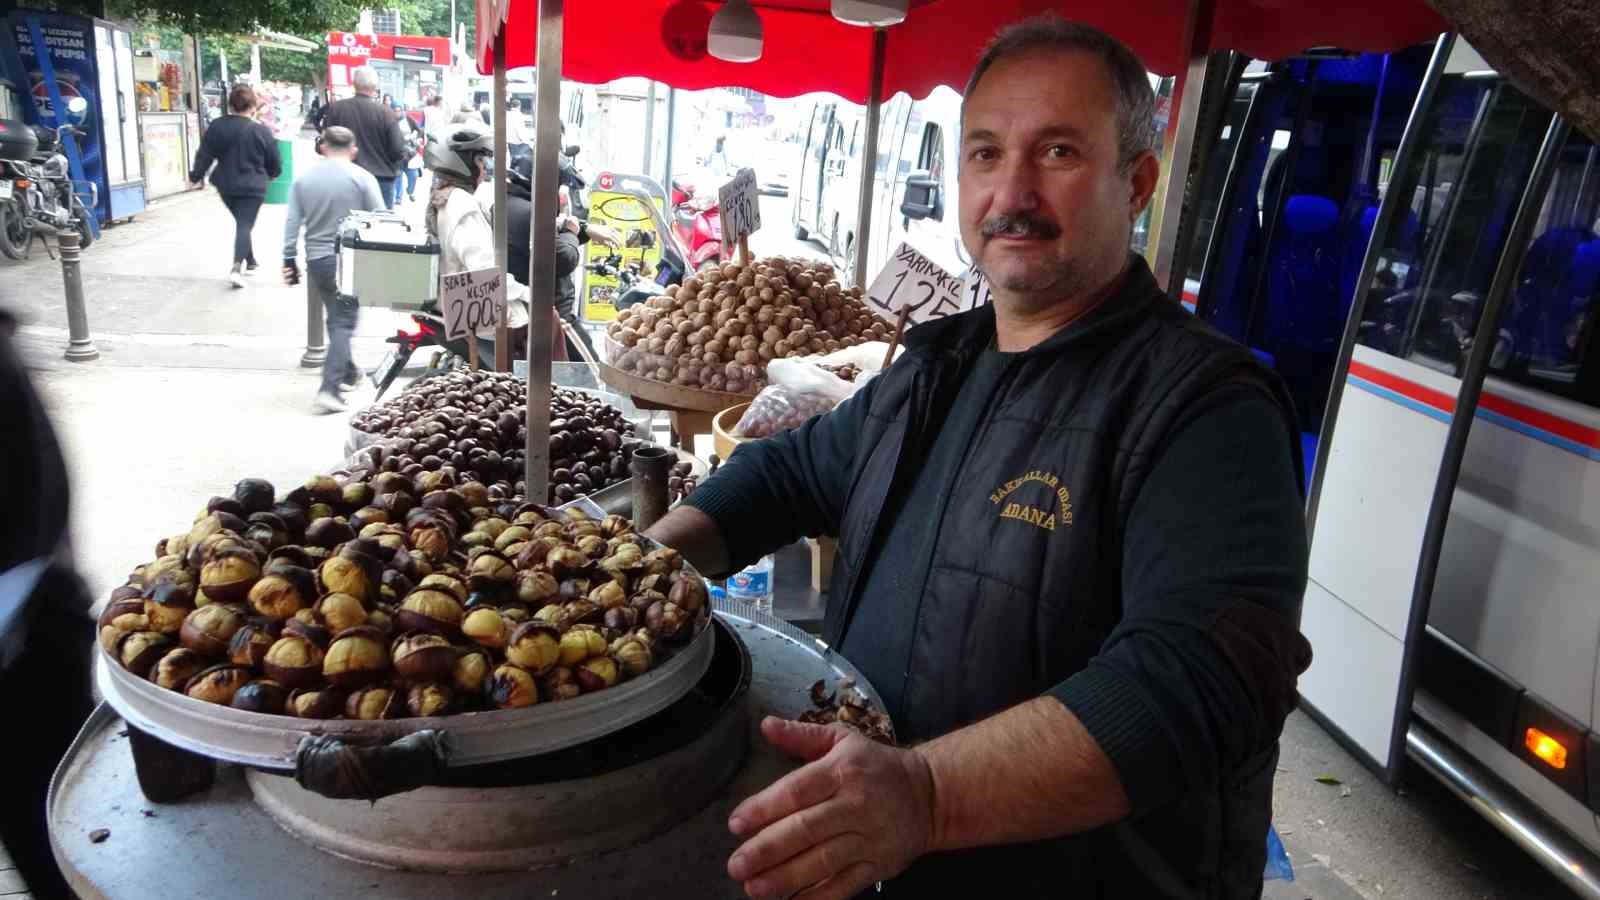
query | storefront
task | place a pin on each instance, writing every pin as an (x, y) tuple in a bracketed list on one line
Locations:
[(410, 68), (169, 130)]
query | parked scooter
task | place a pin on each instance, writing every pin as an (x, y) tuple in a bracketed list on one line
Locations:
[(697, 222), (37, 194)]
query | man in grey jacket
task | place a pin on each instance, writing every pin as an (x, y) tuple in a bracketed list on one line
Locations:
[(319, 200)]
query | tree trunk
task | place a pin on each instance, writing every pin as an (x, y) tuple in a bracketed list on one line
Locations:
[(1548, 48)]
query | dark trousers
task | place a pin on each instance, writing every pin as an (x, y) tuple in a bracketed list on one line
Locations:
[(244, 211), (386, 189), (342, 315)]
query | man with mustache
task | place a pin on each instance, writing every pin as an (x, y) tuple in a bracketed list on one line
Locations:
[(1071, 546)]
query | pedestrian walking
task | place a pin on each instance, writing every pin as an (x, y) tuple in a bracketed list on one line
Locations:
[(240, 155), (318, 202), (383, 152), (414, 138), (434, 116)]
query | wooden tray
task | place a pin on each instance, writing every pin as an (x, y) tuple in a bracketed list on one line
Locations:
[(669, 396)]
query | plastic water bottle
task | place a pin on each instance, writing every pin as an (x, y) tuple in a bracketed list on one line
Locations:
[(753, 584)]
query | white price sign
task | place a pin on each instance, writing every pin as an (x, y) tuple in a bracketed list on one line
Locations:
[(471, 300), (975, 290), (915, 283), (740, 207)]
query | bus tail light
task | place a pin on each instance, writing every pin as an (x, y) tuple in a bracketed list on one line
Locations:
[(1546, 748)]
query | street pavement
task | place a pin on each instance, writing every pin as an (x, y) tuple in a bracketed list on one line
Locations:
[(199, 385)]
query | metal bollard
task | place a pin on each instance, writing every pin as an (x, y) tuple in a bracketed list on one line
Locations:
[(316, 346), (79, 347)]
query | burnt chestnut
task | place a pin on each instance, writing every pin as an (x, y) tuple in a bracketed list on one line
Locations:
[(254, 495), (327, 532), (250, 643), (262, 696), (323, 489), (423, 657), (559, 684), (319, 704)]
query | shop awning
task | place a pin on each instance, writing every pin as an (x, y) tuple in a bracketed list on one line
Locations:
[(279, 41), (806, 49)]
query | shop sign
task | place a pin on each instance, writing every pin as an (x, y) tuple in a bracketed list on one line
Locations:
[(626, 213), (414, 54), (347, 51), (740, 206), (917, 287), (471, 300)]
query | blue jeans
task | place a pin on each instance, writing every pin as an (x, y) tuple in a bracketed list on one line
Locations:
[(386, 191), (342, 315), (411, 185)]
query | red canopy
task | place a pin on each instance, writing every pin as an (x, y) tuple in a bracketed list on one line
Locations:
[(806, 49)]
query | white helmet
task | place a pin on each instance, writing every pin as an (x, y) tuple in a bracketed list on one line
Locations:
[(455, 148)]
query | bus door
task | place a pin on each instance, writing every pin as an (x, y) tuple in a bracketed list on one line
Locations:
[(1215, 179), (1409, 371), (813, 166), (1317, 136)]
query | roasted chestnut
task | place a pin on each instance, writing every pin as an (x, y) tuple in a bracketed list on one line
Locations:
[(485, 626), (689, 593), (322, 704), (535, 646), (633, 655), (423, 657), (490, 569), (596, 674), (471, 672), (344, 574), (536, 587), (356, 657), (294, 662), (609, 596), (427, 609), (283, 591), (138, 651), (251, 642), (430, 700), (229, 575), (621, 619), (341, 611), (210, 629), (580, 644), (327, 532), (565, 561), (323, 489), (450, 584), (307, 624), (667, 620), (262, 696), (374, 703), (218, 684), (176, 667), (167, 603), (511, 687), (559, 684)]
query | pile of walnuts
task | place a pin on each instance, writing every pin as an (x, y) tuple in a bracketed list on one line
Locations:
[(719, 329)]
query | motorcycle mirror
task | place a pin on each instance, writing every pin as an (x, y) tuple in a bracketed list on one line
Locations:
[(77, 110), (571, 150)]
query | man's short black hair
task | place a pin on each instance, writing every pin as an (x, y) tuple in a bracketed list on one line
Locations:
[(1135, 101), (338, 137)]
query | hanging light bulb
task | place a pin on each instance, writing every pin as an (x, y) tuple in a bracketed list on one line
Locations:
[(735, 34), (874, 13)]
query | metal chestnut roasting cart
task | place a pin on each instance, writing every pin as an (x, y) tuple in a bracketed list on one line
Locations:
[(621, 793)]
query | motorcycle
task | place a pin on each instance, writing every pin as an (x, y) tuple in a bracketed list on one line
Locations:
[(38, 195), (697, 223)]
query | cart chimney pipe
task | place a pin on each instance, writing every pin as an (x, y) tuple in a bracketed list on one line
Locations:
[(650, 467)]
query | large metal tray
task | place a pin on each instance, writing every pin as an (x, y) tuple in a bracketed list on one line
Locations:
[(270, 742)]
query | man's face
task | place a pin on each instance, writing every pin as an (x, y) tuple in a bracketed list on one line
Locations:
[(1046, 209)]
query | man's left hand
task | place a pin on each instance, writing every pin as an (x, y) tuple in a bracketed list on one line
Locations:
[(857, 813)]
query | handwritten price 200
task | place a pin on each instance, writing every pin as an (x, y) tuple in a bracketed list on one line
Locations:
[(472, 315)]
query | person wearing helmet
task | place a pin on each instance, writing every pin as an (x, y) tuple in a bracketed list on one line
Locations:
[(458, 158)]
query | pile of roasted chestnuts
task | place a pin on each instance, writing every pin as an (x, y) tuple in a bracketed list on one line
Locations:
[(476, 423), (398, 595), (718, 329)]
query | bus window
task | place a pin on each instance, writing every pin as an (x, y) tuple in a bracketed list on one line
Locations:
[(1211, 187), (1429, 289), (1547, 327)]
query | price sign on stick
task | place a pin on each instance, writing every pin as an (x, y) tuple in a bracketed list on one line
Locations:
[(740, 208), (916, 286), (470, 301), (975, 290)]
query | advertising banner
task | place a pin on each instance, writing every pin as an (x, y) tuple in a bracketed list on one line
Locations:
[(625, 213), (70, 40)]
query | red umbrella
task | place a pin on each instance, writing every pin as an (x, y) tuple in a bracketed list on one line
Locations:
[(806, 49)]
